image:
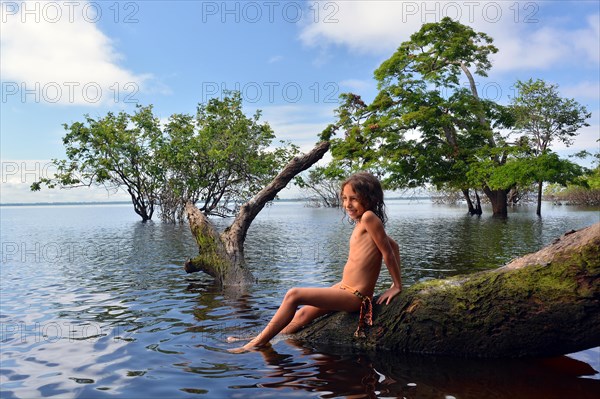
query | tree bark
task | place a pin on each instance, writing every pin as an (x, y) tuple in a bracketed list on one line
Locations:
[(478, 210), (473, 209), (222, 256), (543, 304), (481, 116), (499, 200)]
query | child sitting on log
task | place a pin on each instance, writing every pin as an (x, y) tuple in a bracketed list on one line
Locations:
[(362, 198)]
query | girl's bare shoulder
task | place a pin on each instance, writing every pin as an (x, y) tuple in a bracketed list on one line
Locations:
[(370, 217)]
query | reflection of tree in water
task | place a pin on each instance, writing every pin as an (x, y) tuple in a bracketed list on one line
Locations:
[(477, 378), (410, 376)]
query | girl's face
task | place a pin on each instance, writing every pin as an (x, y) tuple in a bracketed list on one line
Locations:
[(351, 202)]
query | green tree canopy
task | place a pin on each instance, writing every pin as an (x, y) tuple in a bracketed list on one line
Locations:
[(219, 157), (117, 152), (424, 127), (543, 117), (427, 127)]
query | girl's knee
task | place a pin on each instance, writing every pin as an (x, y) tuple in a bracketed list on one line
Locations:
[(301, 318), (290, 294), (293, 295), (301, 313)]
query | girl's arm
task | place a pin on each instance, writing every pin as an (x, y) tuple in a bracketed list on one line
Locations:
[(389, 251), (396, 250)]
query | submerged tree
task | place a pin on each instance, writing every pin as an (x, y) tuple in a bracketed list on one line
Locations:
[(544, 117), (220, 157), (117, 152), (420, 84), (323, 185)]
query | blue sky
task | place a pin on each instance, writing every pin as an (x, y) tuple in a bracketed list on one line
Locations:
[(63, 59)]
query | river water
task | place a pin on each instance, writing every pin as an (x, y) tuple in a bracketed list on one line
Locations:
[(96, 304)]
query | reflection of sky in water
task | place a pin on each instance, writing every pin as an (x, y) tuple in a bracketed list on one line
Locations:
[(95, 303)]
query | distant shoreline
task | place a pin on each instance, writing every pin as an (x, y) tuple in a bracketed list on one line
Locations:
[(65, 203), (16, 204)]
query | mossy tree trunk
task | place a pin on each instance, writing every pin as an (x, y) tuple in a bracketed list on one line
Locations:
[(543, 304), (222, 255)]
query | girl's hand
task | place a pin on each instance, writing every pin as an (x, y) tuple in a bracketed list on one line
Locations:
[(388, 295)]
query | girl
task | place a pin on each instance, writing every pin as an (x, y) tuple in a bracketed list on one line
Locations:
[(362, 199)]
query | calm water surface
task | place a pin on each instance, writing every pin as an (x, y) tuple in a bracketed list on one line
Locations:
[(96, 304)]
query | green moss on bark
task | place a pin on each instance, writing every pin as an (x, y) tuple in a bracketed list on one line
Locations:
[(212, 258)]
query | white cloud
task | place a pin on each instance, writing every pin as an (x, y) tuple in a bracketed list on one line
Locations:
[(582, 90), (58, 55), (524, 39), (546, 47), (18, 175), (363, 26), (275, 58), (587, 139), (300, 124), (587, 38)]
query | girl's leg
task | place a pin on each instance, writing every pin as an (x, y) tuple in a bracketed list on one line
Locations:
[(326, 299), (305, 315), (302, 317)]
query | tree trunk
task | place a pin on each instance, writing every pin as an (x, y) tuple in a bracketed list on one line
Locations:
[(222, 256), (481, 115), (213, 258), (144, 209), (539, 199), (478, 210), (473, 209), (543, 304), (499, 200)]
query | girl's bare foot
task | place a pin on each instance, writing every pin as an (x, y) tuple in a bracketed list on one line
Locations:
[(250, 346), (237, 339)]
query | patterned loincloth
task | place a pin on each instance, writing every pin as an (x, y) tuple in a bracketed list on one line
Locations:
[(366, 309)]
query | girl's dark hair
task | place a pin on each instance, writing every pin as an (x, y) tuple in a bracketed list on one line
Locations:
[(369, 192)]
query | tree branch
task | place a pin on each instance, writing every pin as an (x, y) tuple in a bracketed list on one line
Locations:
[(234, 235)]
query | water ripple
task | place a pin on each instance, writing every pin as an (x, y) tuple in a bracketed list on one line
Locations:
[(94, 304)]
